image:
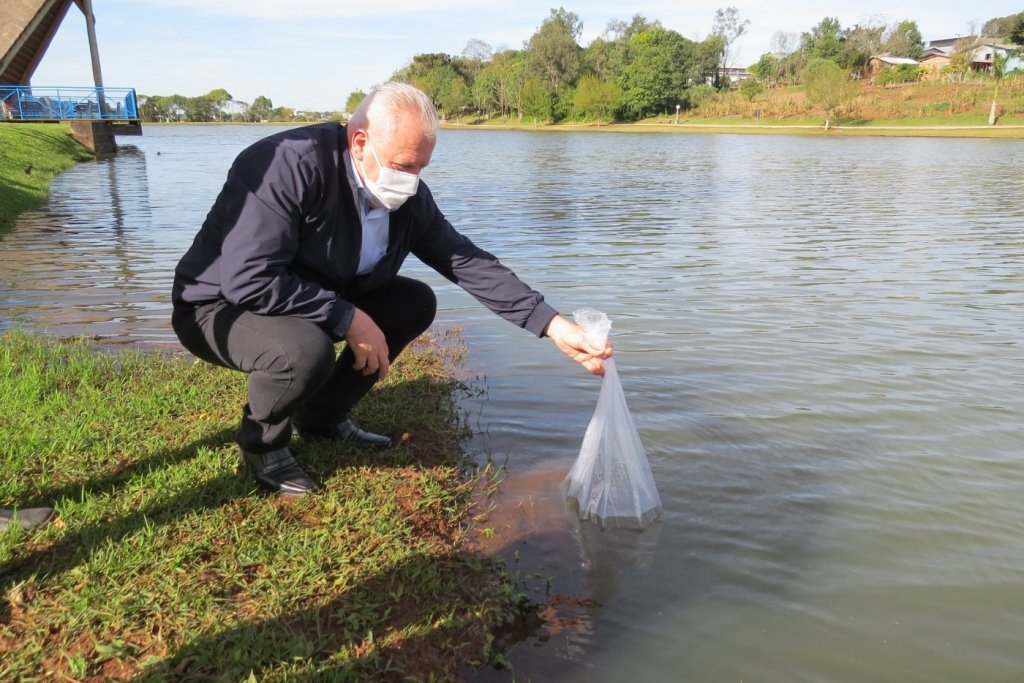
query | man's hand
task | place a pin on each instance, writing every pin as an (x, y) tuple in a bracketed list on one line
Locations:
[(368, 344), (569, 337)]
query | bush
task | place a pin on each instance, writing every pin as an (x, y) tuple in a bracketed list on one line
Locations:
[(697, 95), (751, 88), (903, 73)]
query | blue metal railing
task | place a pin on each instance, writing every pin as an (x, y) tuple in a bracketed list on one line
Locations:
[(51, 103)]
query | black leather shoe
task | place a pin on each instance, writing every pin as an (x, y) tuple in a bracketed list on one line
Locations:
[(278, 471), (26, 518), (347, 432)]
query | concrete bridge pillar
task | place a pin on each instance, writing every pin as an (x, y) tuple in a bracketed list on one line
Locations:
[(96, 135)]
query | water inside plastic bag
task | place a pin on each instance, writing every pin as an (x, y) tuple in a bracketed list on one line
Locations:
[(611, 482)]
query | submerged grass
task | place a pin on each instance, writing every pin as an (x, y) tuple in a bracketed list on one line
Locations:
[(166, 564), (31, 154)]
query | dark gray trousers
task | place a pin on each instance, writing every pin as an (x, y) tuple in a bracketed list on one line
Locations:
[(291, 362)]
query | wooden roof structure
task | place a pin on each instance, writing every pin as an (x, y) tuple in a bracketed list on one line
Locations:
[(26, 29)]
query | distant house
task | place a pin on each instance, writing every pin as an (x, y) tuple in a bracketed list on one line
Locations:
[(933, 60), (939, 53), (876, 64), (944, 44), (981, 60), (733, 74)]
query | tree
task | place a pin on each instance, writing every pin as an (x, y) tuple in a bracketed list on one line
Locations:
[(439, 82), (220, 99), (354, 98), (963, 54), (261, 108), (596, 98), (165, 108), (751, 88), (430, 72), (765, 69), (1005, 28), (825, 41), (783, 43), (999, 63), (508, 73), (150, 108), (239, 110), (478, 50), (282, 114), (861, 43), (828, 86), (200, 109), (785, 47), (474, 56), (624, 31), (904, 40), (605, 58), (554, 55), (656, 77), (535, 100), (454, 97), (1016, 35), (481, 92), (706, 57), (729, 27)]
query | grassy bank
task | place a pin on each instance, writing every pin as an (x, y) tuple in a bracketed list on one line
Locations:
[(166, 564), (927, 109), (31, 154), (838, 128)]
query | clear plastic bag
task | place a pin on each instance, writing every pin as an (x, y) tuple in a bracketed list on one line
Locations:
[(611, 482)]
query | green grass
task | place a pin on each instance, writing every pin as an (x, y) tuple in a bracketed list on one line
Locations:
[(167, 564), (48, 148)]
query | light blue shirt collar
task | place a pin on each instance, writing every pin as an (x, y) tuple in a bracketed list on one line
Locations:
[(375, 221)]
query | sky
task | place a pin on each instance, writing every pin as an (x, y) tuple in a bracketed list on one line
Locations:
[(311, 54)]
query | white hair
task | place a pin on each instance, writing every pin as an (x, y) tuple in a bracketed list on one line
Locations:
[(386, 101)]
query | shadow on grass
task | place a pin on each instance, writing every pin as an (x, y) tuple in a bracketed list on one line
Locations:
[(429, 445), (376, 630), (45, 561), (397, 622), (842, 121)]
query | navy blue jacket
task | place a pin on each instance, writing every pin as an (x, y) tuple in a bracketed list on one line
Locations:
[(283, 238)]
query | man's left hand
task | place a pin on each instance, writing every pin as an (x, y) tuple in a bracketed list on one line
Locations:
[(569, 337)]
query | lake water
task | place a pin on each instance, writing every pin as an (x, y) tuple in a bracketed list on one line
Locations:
[(820, 340)]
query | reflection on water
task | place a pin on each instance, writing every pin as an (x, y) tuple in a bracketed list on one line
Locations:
[(98, 260), (819, 340), (81, 266)]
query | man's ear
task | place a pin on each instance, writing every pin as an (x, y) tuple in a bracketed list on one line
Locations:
[(358, 145)]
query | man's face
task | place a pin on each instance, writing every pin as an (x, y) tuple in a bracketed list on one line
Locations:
[(409, 150)]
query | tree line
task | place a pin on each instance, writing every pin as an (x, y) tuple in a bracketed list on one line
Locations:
[(639, 68), (635, 70), (851, 48), (219, 105)]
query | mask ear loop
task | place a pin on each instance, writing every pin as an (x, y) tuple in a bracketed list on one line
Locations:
[(362, 161), (373, 151)]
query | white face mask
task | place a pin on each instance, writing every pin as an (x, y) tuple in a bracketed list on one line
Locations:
[(392, 187)]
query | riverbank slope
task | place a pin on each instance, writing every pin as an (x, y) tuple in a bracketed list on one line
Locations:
[(165, 562), (31, 155)]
